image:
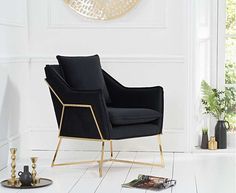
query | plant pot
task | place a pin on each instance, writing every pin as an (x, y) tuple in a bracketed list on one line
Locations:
[(204, 144), (231, 139), (220, 134)]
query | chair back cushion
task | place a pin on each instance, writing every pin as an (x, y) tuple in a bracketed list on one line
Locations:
[(84, 73)]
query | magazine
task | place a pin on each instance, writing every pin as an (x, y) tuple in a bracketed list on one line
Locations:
[(150, 182)]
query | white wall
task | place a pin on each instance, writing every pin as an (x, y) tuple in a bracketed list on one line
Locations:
[(13, 75), (151, 40)]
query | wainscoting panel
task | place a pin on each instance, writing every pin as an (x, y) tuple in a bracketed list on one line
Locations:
[(13, 13), (153, 27)]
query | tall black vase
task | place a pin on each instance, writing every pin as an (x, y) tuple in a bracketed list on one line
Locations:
[(220, 134)]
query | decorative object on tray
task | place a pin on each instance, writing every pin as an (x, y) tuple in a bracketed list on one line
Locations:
[(218, 104), (101, 10), (34, 173), (13, 181), (43, 182), (212, 144), (26, 179), (150, 183), (204, 144)]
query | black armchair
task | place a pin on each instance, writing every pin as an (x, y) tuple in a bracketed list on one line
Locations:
[(90, 104)]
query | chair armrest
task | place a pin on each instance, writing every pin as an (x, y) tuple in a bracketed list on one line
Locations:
[(147, 97), (61, 91), (87, 99)]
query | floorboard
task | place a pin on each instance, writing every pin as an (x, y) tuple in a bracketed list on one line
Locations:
[(135, 170), (91, 180), (215, 173), (65, 177), (183, 173), (117, 174), (163, 172)]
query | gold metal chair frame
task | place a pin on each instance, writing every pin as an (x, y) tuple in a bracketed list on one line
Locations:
[(102, 140)]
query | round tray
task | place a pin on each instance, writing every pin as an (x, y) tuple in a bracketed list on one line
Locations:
[(43, 182)]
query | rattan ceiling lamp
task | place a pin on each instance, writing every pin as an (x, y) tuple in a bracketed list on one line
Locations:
[(101, 9)]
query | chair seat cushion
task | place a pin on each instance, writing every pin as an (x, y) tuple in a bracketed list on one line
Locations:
[(125, 116), (136, 130)]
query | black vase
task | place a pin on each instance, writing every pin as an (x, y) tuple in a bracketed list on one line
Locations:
[(220, 134), (204, 144), (25, 177)]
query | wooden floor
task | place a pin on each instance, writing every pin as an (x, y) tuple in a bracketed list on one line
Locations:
[(195, 173)]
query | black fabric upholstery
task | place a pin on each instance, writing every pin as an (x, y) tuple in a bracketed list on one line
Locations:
[(137, 130), (75, 122), (115, 121), (84, 73), (126, 116), (148, 97)]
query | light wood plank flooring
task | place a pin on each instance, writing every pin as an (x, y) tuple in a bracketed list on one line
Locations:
[(195, 173)]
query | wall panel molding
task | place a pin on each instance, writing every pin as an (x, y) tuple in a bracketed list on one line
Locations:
[(7, 22), (4, 148), (13, 13), (121, 59), (84, 23), (3, 142), (14, 137), (14, 59)]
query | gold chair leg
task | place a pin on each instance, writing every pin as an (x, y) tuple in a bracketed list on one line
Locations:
[(55, 155), (101, 161), (161, 151), (111, 149)]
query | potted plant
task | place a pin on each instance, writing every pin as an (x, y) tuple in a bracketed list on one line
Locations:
[(218, 104), (204, 143)]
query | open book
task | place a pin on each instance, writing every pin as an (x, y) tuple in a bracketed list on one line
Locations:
[(150, 182)]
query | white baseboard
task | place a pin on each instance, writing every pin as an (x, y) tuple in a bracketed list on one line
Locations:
[(47, 140), (11, 142), (4, 148)]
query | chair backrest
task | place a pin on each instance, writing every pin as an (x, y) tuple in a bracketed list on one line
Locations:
[(84, 73)]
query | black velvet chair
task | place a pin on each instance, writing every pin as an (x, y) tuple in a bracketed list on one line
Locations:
[(90, 104)]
